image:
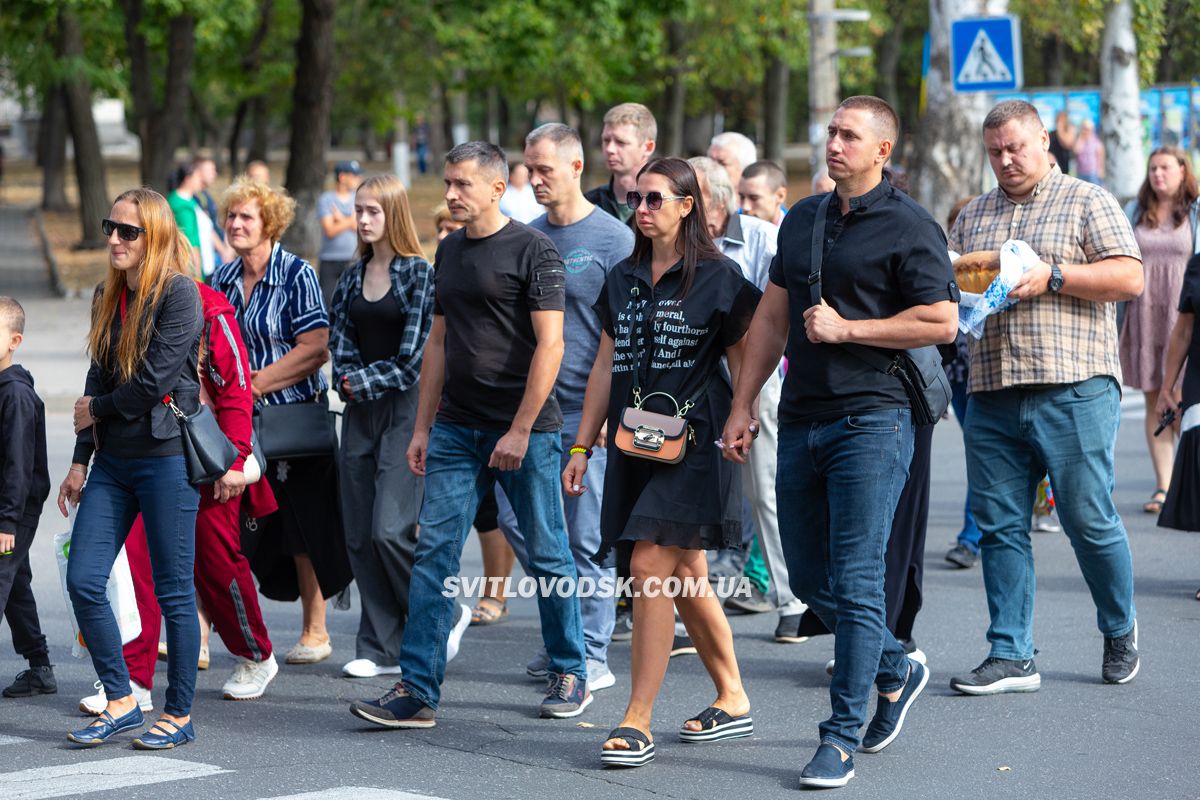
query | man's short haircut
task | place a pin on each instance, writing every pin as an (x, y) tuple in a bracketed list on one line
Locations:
[(1005, 112), (776, 178), (565, 138), (886, 121), (634, 114), (201, 159), (739, 143), (12, 316), (488, 157), (719, 184)]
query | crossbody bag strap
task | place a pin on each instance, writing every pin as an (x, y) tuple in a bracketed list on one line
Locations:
[(871, 356), (638, 398)]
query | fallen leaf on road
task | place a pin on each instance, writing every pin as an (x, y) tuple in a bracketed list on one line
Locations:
[(584, 725), (1003, 769)]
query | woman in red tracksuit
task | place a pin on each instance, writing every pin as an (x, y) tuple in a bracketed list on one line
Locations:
[(223, 581)]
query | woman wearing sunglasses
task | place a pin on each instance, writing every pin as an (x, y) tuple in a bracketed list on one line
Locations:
[(669, 313), (144, 344)]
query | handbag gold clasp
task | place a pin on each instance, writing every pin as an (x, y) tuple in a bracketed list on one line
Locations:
[(648, 438)]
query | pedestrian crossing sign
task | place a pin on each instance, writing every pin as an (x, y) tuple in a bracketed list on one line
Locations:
[(985, 54)]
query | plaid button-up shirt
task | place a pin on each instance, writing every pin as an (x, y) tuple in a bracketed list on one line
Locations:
[(1051, 338)]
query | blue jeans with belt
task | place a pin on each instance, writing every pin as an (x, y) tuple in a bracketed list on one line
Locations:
[(117, 489), (457, 477), (837, 486), (1014, 437)]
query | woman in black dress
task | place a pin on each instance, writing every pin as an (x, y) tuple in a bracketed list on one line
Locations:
[(669, 312)]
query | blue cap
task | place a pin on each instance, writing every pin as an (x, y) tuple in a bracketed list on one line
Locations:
[(352, 167)]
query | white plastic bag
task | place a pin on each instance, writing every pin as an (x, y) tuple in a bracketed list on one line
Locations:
[(120, 592), (1016, 258)]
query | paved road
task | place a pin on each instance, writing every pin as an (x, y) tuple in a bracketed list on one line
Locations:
[(1077, 738), (23, 270)]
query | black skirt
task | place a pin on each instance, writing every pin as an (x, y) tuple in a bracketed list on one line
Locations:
[(1181, 510)]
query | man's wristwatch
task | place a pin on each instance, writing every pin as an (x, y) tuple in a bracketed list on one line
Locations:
[(1056, 278)]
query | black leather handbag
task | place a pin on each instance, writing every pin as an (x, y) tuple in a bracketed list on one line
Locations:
[(206, 449), (295, 430)]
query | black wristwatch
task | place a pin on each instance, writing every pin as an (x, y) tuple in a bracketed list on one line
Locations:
[(1056, 278)]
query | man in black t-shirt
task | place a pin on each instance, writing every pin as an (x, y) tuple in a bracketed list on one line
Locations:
[(487, 414), (845, 429)]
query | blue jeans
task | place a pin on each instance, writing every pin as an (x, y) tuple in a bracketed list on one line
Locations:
[(117, 489), (970, 533), (837, 486), (1014, 437), (583, 531), (456, 479)]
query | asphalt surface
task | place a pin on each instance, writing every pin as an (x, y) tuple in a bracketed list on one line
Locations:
[(1076, 738)]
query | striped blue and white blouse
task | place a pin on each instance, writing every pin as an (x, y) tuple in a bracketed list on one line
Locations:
[(284, 304)]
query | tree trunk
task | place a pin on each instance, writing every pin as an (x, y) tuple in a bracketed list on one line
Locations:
[(460, 128), (675, 102), (260, 133), (251, 62), (775, 109), (823, 89), (89, 162), (887, 64), (52, 149), (1054, 55), (312, 100), (947, 159), (235, 137), (1120, 114), (438, 135)]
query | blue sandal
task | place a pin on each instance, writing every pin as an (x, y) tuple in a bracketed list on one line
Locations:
[(150, 740), (106, 726)]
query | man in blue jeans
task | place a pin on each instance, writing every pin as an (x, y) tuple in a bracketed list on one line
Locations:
[(845, 429), (591, 243), (1045, 397), (489, 368)]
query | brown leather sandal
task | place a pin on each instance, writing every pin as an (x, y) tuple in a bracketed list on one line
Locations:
[(489, 611)]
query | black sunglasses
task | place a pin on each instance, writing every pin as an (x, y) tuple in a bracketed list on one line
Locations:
[(654, 200), (128, 233)]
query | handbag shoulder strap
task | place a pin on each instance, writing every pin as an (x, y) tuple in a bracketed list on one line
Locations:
[(871, 356)]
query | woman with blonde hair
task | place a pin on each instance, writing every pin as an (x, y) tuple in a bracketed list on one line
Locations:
[(1165, 218), (299, 551), (381, 314), (144, 344)]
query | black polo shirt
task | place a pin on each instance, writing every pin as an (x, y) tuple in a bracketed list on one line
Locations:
[(884, 256), (604, 197)]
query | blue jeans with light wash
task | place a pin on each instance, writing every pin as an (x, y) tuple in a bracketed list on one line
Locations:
[(583, 530), (117, 489), (1014, 437), (457, 477), (970, 533), (837, 486)]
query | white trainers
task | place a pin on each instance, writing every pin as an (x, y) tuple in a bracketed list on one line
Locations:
[(250, 678), (96, 703), (456, 633), (599, 676), (366, 668)]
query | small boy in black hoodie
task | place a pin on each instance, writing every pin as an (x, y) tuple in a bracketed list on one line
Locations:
[(24, 486)]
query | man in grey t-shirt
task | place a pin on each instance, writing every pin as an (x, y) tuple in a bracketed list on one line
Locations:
[(590, 242), (339, 236)]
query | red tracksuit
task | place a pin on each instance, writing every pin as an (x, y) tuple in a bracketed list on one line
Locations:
[(223, 580)]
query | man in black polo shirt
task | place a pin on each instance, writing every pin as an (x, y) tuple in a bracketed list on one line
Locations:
[(627, 142), (494, 349), (845, 429)]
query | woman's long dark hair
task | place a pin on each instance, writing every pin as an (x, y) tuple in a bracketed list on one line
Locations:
[(693, 242), (1148, 206)]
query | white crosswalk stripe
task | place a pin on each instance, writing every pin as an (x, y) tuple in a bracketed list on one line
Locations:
[(356, 793), (12, 740), (77, 780)]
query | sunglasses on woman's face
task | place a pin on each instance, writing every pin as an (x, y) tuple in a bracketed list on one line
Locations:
[(128, 233), (654, 200)]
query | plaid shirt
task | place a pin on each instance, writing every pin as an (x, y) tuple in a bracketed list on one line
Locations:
[(1049, 339), (412, 287)]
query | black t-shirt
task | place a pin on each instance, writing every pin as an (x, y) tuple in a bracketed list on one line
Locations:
[(887, 254), (689, 333), (486, 289), (1189, 303), (378, 327)]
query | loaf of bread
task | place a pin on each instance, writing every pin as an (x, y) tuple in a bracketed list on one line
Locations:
[(976, 271)]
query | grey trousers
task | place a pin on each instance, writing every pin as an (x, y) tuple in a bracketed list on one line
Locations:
[(381, 500)]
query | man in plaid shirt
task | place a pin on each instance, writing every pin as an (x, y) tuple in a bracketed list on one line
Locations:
[(1045, 396)]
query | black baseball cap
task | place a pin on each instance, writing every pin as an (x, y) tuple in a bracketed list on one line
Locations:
[(352, 167)]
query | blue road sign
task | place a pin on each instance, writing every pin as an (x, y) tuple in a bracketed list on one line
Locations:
[(985, 54)]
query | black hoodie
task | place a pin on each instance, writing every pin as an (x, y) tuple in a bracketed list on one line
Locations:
[(24, 478)]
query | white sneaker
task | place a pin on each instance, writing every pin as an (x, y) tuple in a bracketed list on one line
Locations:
[(829, 666), (366, 668), (456, 633), (250, 678), (96, 703), (599, 676), (1044, 523)]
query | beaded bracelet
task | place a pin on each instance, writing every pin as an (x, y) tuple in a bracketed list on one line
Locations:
[(587, 451)]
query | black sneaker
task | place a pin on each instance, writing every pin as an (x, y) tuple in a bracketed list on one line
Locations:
[(682, 646), (1121, 661), (999, 675), (623, 627), (755, 603), (568, 696), (962, 556), (827, 770), (396, 709), (788, 629), (35, 680)]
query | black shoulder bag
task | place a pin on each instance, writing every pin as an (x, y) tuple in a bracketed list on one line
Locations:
[(207, 451), (918, 369)]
